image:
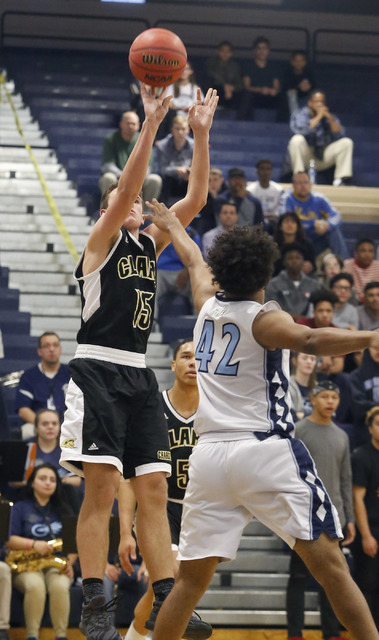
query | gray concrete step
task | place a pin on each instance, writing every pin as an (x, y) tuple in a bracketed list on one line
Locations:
[(252, 599), (43, 278), (261, 542), (65, 303), (20, 154), (36, 205), (250, 618), (30, 188)]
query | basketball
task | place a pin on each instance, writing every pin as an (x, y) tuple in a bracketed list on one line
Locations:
[(157, 57)]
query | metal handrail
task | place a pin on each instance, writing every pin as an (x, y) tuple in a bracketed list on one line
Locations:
[(316, 34)]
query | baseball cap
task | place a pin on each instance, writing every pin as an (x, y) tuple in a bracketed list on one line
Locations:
[(236, 172), (325, 385)]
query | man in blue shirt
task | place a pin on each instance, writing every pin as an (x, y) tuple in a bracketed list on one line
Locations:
[(249, 207), (321, 221), (44, 385), (319, 136)]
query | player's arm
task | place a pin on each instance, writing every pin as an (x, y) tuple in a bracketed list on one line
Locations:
[(188, 251), (277, 330), (200, 118), (126, 512), (106, 229)]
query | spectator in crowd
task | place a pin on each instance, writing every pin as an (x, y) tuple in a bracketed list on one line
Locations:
[(322, 436), (298, 81), (174, 153), (117, 148), (224, 74), (302, 382), (331, 265), (248, 206), (5, 600), (261, 84), (365, 464), (267, 191), (363, 267), (364, 382), (319, 218), (184, 92), (228, 217), (206, 218), (292, 289), (44, 385), (289, 229), (34, 522), (173, 281), (324, 302), (345, 314), (319, 136), (368, 313)]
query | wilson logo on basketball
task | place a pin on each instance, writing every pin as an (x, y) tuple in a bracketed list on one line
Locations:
[(151, 58)]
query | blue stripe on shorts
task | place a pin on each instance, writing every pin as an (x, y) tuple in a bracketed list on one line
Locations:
[(322, 516)]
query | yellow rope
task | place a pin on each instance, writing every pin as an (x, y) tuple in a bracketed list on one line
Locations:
[(49, 198)]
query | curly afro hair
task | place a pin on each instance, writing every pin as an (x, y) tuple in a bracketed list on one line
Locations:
[(242, 259)]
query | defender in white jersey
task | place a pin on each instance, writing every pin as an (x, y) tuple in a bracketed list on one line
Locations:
[(247, 462)]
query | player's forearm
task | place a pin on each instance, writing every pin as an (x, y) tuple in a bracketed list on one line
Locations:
[(335, 342), (126, 507), (197, 190), (135, 170), (185, 247)]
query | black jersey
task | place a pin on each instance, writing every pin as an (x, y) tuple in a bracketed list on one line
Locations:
[(118, 297), (182, 439)]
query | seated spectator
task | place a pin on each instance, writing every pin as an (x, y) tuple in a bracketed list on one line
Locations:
[(365, 464), (368, 313), (45, 448), (206, 219), (331, 265), (292, 288), (174, 155), (363, 267), (267, 191), (184, 92), (5, 600), (319, 136), (302, 382), (319, 218), (261, 84), (289, 229), (298, 81), (173, 280), (345, 314), (364, 383), (34, 522), (228, 217), (224, 75), (248, 206), (323, 302), (117, 148), (44, 385)]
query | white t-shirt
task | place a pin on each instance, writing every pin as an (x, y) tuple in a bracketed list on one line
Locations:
[(269, 197)]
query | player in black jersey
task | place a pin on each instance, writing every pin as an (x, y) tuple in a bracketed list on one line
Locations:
[(114, 421), (179, 406)]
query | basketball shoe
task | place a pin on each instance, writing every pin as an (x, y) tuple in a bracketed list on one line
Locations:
[(197, 629), (95, 622)]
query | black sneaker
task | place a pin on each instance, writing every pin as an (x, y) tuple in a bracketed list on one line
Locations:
[(95, 622), (197, 629)]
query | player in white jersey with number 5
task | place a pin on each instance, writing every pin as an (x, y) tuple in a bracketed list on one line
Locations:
[(247, 462)]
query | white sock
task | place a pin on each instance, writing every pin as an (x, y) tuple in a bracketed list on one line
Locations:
[(132, 634)]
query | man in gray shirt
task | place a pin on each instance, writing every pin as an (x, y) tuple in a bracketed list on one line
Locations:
[(368, 313), (329, 448), (292, 288)]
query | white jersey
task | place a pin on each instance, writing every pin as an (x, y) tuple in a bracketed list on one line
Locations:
[(243, 387), (269, 197)]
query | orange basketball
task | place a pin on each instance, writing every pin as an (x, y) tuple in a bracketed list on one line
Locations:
[(157, 57)]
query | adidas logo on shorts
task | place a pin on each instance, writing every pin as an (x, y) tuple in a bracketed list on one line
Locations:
[(93, 447)]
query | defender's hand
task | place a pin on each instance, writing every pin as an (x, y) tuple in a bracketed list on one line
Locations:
[(161, 216)]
